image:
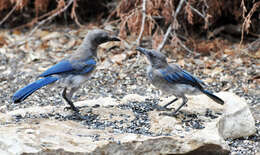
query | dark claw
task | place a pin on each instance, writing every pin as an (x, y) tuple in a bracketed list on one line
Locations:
[(77, 116), (71, 108), (80, 117)]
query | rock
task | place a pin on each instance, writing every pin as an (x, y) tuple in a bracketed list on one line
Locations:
[(237, 120), (130, 125), (70, 137), (133, 97)]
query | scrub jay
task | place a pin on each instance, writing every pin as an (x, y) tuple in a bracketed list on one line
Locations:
[(72, 71), (173, 80)]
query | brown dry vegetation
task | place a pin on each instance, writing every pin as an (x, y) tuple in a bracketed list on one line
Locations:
[(239, 19)]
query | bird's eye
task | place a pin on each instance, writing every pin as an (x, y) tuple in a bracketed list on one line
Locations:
[(101, 39)]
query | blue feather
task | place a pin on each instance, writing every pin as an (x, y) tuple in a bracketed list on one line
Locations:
[(173, 77), (73, 67), (61, 67), (181, 76), (87, 70), (213, 97), (193, 76), (188, 76), (91, 62), (84, 68), (23, 93)]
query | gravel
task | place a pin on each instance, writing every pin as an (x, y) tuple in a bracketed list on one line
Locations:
[(18, 67)]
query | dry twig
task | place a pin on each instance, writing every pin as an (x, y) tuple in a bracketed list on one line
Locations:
[(51, 17), (41, 23), (247, 21), (9, 14), (195, 10), (170, 26), (74, 15), (183, 46), (143, 22)]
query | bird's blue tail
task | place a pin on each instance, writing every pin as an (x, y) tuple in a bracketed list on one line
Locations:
[(23, 93), (213, 97)]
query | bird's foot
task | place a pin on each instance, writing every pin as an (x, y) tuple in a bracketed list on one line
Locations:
[(75, 109), (173, 114), (80, 117), (162, 108)]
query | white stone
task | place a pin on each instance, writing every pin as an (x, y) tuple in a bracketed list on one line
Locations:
[(237, 120), (133, 97), (64, 137)]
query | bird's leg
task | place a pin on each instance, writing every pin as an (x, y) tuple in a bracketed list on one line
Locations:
[(164, 108), (184, 101), (166, 105), (68, 100)]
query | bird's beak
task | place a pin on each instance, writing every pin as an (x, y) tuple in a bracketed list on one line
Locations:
[(142, 50), (114, 38)]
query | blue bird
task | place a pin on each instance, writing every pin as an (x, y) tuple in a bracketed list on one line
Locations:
[(72, 71), (173, 80)]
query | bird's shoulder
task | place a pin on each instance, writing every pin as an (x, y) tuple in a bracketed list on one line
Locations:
[(169, 69), (83, 62), (173, 68)]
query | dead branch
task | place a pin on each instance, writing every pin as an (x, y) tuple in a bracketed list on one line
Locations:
[(73, 13), (165, 38), (143, 22), (183, 46), (247, 21), (41, 23), (195, 10), (51, 17), (170, 26), (8, 15)]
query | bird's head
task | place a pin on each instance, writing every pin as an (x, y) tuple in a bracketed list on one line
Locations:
[(98, 36), (156, 59)]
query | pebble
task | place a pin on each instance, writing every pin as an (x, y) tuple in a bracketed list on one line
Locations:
[(119, 81)]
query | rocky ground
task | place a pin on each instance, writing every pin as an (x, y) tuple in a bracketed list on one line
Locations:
[(122, 72)]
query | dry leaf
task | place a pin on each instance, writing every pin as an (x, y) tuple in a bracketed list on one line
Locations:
[(229, 52), (41, 33), (119, 58), (2, 41), (16, 32), (50, 36), (257, 54)]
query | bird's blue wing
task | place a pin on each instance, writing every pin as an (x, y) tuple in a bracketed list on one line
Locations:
[(73, 67), (180, 76), (87, 67), (61, 67), (194, 77)]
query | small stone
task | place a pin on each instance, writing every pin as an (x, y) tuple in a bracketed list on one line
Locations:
[(237, 120)]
